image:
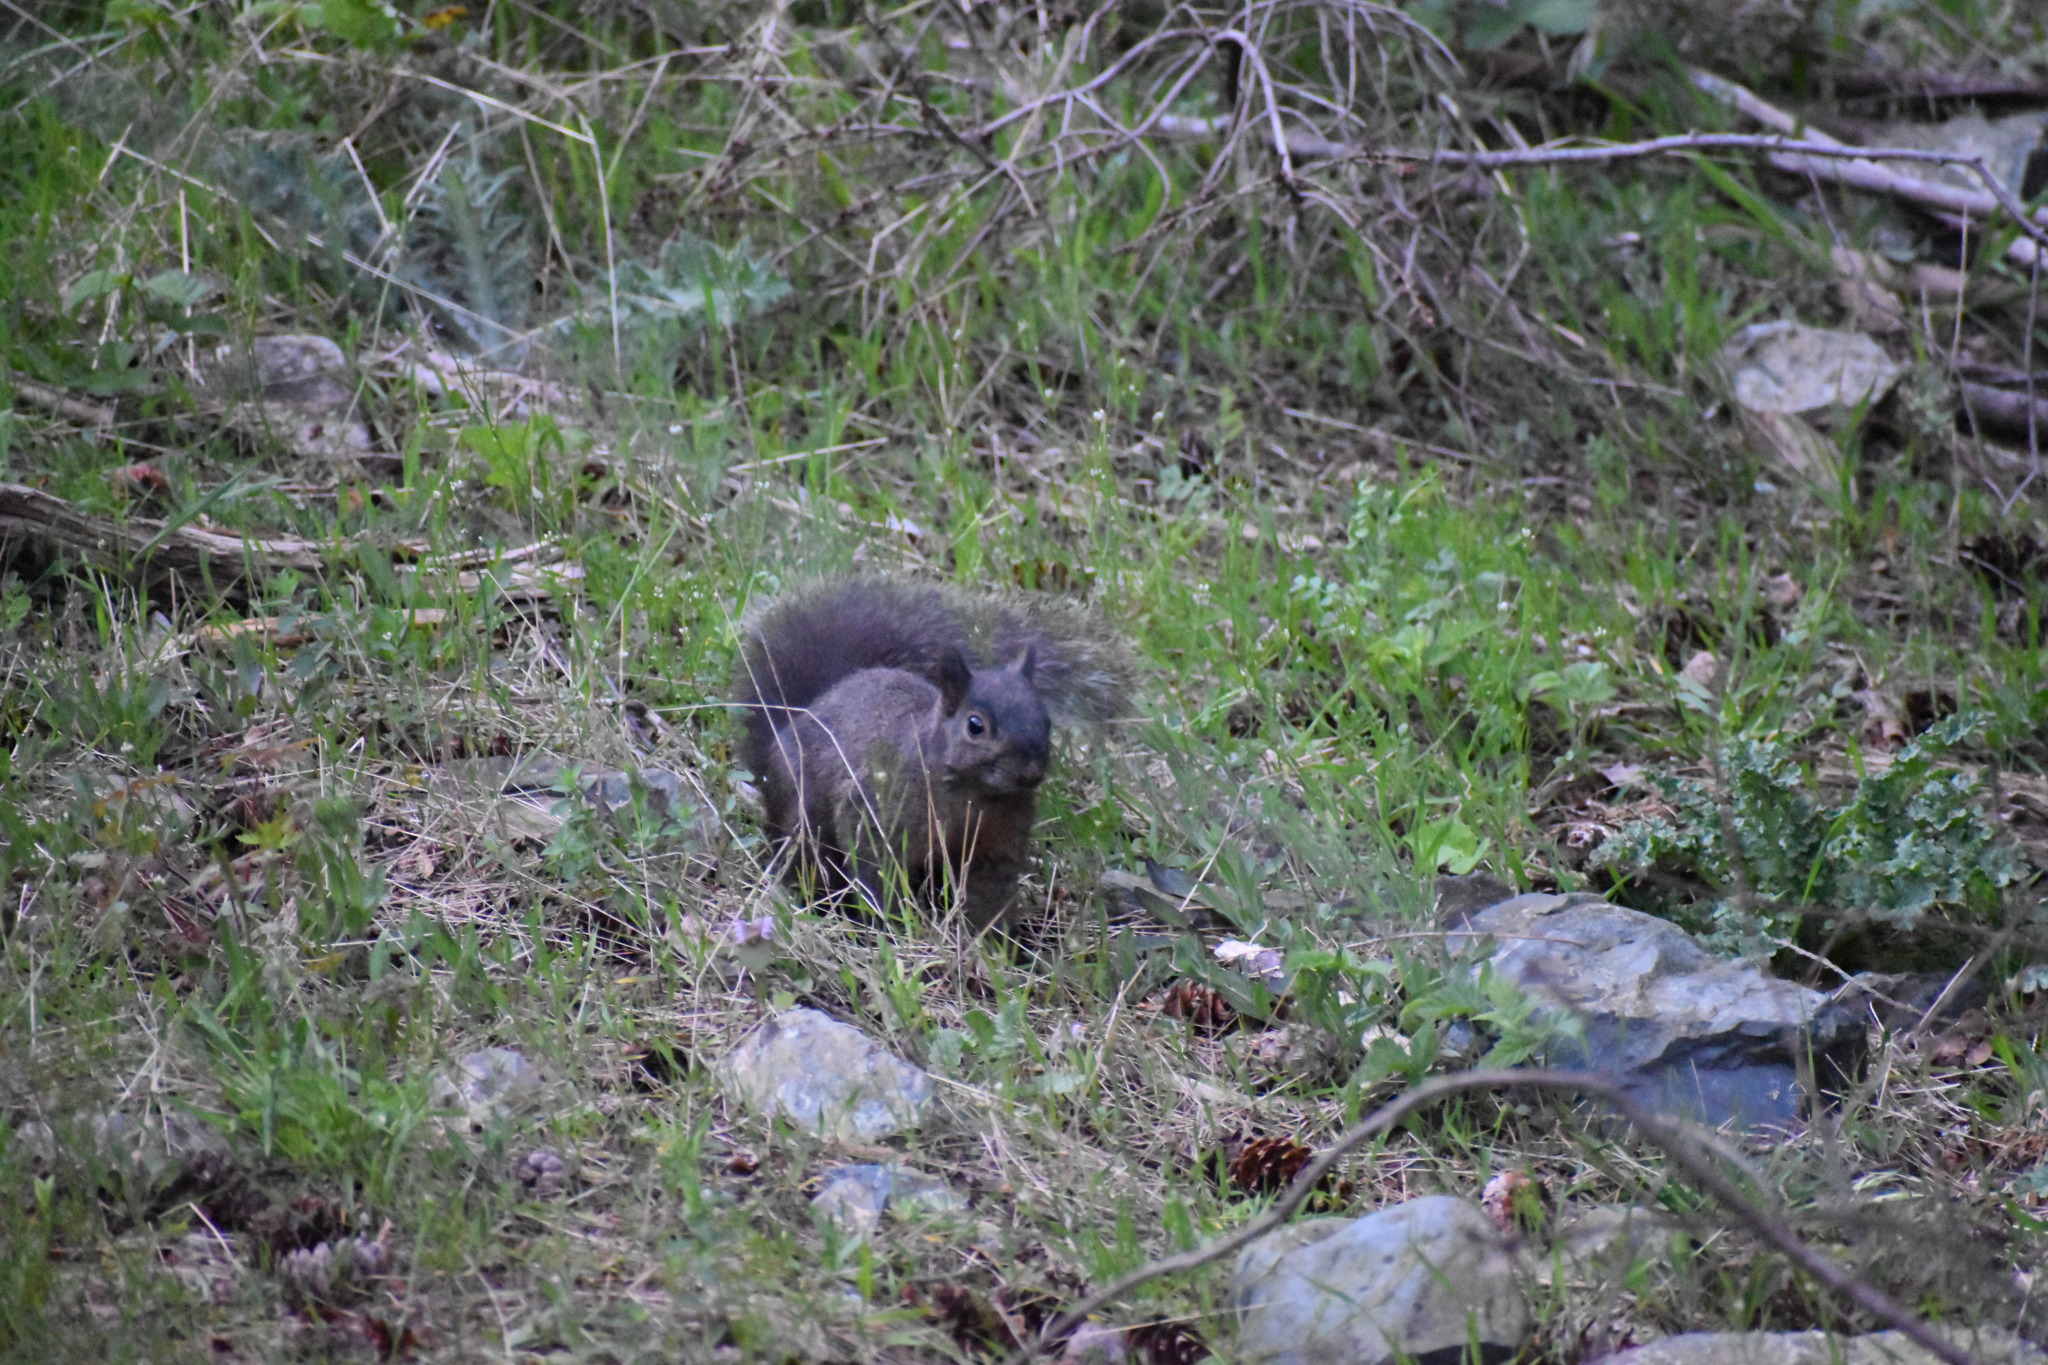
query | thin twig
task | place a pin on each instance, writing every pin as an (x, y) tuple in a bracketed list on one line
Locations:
[(1808, 153), (1682, 1149)]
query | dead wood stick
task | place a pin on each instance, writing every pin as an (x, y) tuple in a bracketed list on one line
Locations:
[(1682, 1150), (1932, 86), (95, 417), (1795, 150), (54, 529), (2006, 411), (1864, 172), (272, 630)]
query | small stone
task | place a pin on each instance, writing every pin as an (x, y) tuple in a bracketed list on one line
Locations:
[(486, 1086), (1604, 1242), (917, 1195), (1425, 1276), (1702, 670), (665, 792), (297, 392), (826, 1077), (854, 1197), (1783, 367), (1095, 1343), (141, 1154)]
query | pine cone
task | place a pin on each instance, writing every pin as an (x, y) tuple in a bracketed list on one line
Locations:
[(1268, 1165), (975, 1324), (1161, 1342), (1202, 1006)]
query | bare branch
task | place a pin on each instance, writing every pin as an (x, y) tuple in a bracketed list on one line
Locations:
[(1682, 1149)]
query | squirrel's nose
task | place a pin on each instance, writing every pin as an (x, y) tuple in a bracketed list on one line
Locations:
[(1031, 772)]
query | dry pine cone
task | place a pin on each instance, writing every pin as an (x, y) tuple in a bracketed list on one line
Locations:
[(1202, 1006), (1268, 1165)]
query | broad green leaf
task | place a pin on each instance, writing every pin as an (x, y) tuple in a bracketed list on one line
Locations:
[(1559, 16), (93, 284), (180, 287)]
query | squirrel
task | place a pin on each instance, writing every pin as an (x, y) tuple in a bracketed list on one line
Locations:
[(904, 727)]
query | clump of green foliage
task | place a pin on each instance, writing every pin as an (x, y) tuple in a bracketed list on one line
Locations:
[(1908, 840)]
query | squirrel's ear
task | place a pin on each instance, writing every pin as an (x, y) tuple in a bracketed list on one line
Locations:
[(1027, 662), (954, 679)]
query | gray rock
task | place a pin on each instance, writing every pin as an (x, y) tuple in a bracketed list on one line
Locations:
[(854, 1197), (1416, 1281), (519, 799), (297, 391), (1990, 1346), (1603, 1242), (665, 792), (2005, 145), (826, 1077), (1688, 1034), (1096, 1343), (487, 1086), (1784, 367), (141, 1153)]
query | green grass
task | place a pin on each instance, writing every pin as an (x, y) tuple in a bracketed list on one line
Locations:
[(1414, 501)]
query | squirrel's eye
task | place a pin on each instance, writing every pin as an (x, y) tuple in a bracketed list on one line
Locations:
[(975, 726)]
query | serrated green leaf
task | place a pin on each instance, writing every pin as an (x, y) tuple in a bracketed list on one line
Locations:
[(180, 287), (93, 284)]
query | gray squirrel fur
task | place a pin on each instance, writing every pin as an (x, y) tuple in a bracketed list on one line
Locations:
[(900, 731)]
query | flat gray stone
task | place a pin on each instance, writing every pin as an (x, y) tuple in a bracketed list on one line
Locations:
[(488, 1086), (1604, 1242), (1688, 1034), (855, 1197), (298, 391), (1990, 1346), (825, 1077), (519, 799), (1416, 1281)]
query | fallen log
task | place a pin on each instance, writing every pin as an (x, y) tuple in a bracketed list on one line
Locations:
[(2013, 414), (46, 531)]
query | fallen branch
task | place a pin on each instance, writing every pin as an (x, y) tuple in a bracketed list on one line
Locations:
[(97, 418), (54, 529), (1935, 86), (1951, 202), (2007, 412), (1683, 1151), (275, 632), (1807, 152)]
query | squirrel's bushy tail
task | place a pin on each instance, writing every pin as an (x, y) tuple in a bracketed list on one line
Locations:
[(798, 646), (1084, 671)]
